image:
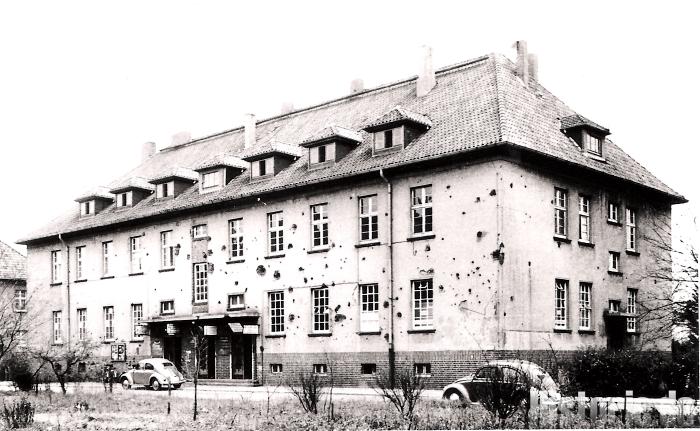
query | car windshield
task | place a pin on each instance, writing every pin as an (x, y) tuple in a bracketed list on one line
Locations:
[(168, 364)]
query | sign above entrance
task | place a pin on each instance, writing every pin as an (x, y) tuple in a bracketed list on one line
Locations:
[(251, 329), (209, 330), (236, 328), (171, 329)]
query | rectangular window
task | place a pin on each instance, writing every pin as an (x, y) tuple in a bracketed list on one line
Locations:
[(369, 219), (321, 153), (86, 208), (593, 144), (584, 218), (262, 167), (106, 255), (211, 179), (613, 212), (320, 369), (320, 313), (614, 262), (165, 190), (199, 231), (167, 250), (369, 308), (235, 301), (422, 209), (276, 305), (631, 229), (276, 368), (201, 287), (57, 331), (632, 309), (20, 302), (275, 233), (135, 255), (561, 314), (56, 266), (319, 226), (124, 199), (368, 369), (422, 370), (560, 212), (613, 306), (82, 324), (422, 303), (388, 138), (136, 318), (167, 307), (584, 305), (79, 262), (235, 229), (108, 319)]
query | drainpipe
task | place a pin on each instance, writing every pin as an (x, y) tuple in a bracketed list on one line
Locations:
[(390, 243), (60, 238)]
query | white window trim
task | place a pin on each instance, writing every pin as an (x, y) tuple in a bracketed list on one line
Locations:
[(585, 306), (426, 205), (235, 230), (584, 219), (422, 307), (277, 317), (235, 306), (108, 324), (319, 222), (106, 255), (614, 261), (370, 215), (57, 327), (561, 303), (82, 324), (167, 311), (201, 284), (422, 369), (631, 229), (320, 311), (369, 295), (276, 217), (167, 250), (561, 212), (320, 369), (616, 213), (56, 266), (632, 320), (200, 231), (19, 302), (218, 183), (135, 255), (136, 319)]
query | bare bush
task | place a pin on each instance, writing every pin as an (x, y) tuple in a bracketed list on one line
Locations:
[(404, 394), (19, 414), (504, 392), (308, 388), (63, 359)]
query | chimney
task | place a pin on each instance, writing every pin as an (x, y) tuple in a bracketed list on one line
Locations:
[(181, 138), (522, 68), (426, 77), (148, 149), (249, 124), (357, 85), (532, 66), (286, 108)]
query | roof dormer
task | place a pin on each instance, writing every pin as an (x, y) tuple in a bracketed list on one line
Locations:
[(94, 201), (172, 182), (329, 145), (269, 159), (218, 171), (588, 135), (396, 129), (131, 191)]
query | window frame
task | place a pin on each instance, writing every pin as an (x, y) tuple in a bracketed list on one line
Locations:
[(135, 255), (614, 261), (56, 266), (238, 305), (164, 309), (136, 319), (165, 190), (369, 307), (200, 231), (593, 144), (57, 327), (584, 218), (106, 253), (320, 310), (613, 210), (235, 244), (167, 250), (631, 229), (124, 199), (369, 217), (585, 308), (81, 317), (632, 325), (422, 211), (319, 226), (423, 305), (275, 304), (108, 322), (200, 283), (561, 212), (561, 302), (206, 184), (320, 369), (276, 368), (276, 217), (19, 300), (79, 262), (422, 369)]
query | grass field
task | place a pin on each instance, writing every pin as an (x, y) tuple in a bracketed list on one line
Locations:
[(134, 410)]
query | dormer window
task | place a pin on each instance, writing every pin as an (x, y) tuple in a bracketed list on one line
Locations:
[(396, 129), (267, 160), (124, 199), (87, 208), (94, 201), (165, 190), (321, 153), (592, 144), (210, 181), (174, 181), (329, 145), (389, 139), (217, 171), (587, 134)]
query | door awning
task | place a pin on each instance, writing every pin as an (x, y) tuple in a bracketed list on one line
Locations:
[(231, 315)]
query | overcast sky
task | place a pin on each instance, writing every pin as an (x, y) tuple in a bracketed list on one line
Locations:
[(84, 84)]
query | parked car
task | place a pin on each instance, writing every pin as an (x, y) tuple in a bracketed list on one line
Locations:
[(154, 373), (471, 389)]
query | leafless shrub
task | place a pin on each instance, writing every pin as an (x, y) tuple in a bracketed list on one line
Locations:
[(505, 391), (404, 394), (308, 388)]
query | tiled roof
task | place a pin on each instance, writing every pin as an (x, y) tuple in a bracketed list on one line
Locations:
[(576, 120), (476, 104), (261, 151), (397, 115), (132, 183), (96, 193), (330, 132), (170, 172), (222, 161), (13, 266)]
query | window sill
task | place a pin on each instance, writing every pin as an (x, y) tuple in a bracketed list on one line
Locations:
[(274, 256), (170, 313), (367, 244), (201, 238), (586, 332), (585, 244), (106, 277), (562, 239), (320, 334), (595, 156), (369, 333), (242, 307), (110, 341), (421, 331), (318, 250), (166, 269), (617, 273), (55, 284), (632, 252), (562, 331), (134, 274), (614, 222), (421, 237), (137, 340), (633, 333), (275, 335), (235, 261), (82, 280), (57, 343)]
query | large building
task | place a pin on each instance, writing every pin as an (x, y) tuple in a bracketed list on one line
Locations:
[(13, 303), (463, 214)]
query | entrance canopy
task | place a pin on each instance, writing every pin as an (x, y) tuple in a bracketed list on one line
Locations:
[(229, 316)]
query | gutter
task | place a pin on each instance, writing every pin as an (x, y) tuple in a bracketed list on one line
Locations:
[(392, 353), (60, 238)]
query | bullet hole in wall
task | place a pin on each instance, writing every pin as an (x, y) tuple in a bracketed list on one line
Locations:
[(260, 270), (529, 263), (479, 234), (276, 275), (399, 314), (470, 291), (457, 275), (464, 212), (348, 304), (441, 287), (504, 314), (290, 246), (223, 247), (447, 187), (386, 337), (291, 317), (450, 196), (478, 199), (493, 192), (339, 317), (511, 298), (235, 283), (427, 248), (386, 304), (337, 307), (301, 268), (326, 265), (363, 258), (511, 185)]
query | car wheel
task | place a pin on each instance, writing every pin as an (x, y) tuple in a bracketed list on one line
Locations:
[(455, 396), (155, 384), (177, 386), (125, 383)]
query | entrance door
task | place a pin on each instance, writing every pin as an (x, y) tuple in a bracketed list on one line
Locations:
[(207, 357), (241, 357), (172, 351)]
